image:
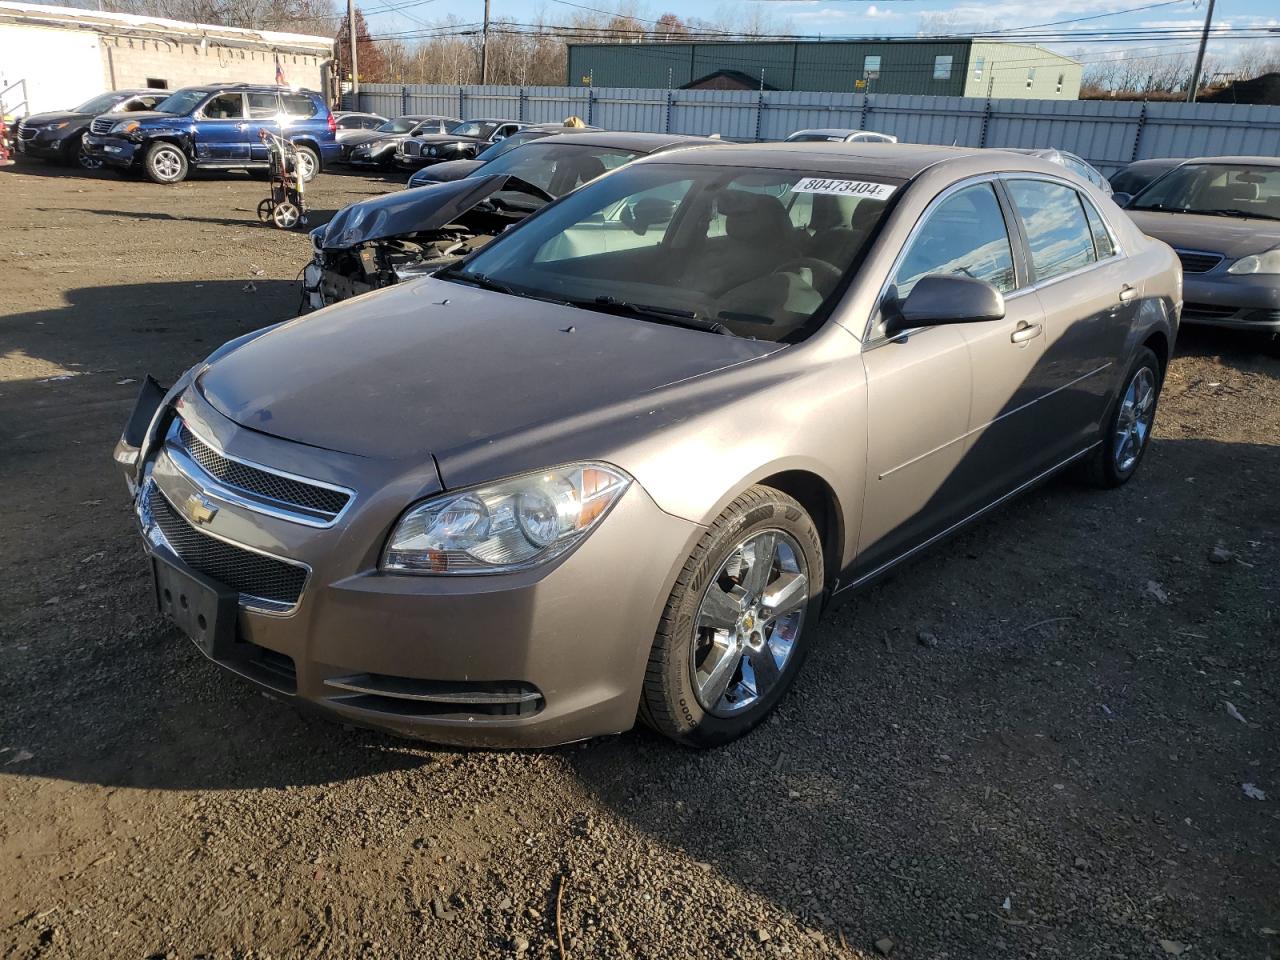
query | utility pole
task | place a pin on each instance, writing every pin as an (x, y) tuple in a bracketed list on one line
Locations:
[(484, 47), (355, 70), (1204, 42)]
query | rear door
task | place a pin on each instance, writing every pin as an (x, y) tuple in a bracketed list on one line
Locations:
[(1089, 298), (264, 114), (222, 128)]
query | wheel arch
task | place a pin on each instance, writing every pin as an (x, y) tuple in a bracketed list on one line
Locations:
[(1158, 343), (819, 500)]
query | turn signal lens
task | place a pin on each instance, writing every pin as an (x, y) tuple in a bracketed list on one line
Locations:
[(125, 126), (511, 525)]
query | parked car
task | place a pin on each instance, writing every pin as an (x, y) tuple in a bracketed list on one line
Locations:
[(353, 127), (461, 142), (448, 170), (1064, 159), (377, 242), (377, 148), (1222, 216), (1138, 174), (58, 135), (618, 466), (215, 127), (840, 135)]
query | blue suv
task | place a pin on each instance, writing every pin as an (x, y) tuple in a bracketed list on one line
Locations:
[(215, 128)]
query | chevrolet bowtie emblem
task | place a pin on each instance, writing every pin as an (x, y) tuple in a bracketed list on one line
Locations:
[(199, 509)]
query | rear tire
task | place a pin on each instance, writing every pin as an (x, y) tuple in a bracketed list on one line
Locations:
[(308, 163), (719, 583), (165, 163), (1128, 426)]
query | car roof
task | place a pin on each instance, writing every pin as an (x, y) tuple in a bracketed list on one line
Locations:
[(488, 120), (246, 87), (419, 117), (900, 160), (647, 142), (832, 131), (1156, 162)]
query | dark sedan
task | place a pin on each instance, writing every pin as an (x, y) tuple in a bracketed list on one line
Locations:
[(59, 134), (1222, 217), (462, 142), (377, 147), (449, 170)]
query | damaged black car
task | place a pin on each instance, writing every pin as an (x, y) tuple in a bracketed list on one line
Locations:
[(380, 241)]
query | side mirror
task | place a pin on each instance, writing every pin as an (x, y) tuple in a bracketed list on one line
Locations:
[(1122, 199), (940, 299)]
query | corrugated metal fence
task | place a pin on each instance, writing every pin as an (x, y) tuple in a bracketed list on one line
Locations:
[(1109, 134)]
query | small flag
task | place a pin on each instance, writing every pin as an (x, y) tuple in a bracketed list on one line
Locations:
[(280, 74)]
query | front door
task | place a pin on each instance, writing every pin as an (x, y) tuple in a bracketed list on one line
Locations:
[(948, 424), (222, 130)]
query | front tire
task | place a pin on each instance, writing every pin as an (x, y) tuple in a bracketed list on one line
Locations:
[(734, 631), (165, 163), (1128, 425)]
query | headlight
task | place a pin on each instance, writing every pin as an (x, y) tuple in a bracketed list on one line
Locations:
[(504, 526), (124, 126), (1268, 262), (431, 151)]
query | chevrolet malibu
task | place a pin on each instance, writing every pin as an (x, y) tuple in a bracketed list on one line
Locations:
[(616, 463)]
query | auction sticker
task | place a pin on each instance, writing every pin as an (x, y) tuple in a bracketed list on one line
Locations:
[(845, 188)]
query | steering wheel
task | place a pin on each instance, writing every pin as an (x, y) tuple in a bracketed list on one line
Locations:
[(825, 276)]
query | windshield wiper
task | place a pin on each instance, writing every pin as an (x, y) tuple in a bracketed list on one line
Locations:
[(672, 315), (483, 281), (1237, 213)]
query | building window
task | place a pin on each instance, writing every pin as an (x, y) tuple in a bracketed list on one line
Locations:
[(978, 64), (942, 67), (871, 67), (1031, 76), (157, 83), (1061, 77)]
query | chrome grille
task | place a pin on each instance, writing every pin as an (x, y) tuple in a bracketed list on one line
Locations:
[(252, 575), (1193, 261), (101, 125), (408, 148), (262, 483), (27, 133)]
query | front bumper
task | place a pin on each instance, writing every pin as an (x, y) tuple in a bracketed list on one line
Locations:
[(531, 658), (116, 151), (1236, 303), (41, 146), (371, 158)]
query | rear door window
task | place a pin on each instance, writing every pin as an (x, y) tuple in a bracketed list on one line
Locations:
[(964, 235), (1057, 231), (1103, 245), (263, 106)]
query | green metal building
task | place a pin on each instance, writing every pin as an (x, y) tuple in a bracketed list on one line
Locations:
[(954, 68)]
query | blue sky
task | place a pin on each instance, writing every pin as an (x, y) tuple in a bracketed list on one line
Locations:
[(894, 17)]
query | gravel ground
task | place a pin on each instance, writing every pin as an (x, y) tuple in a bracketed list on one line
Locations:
[(1019, 746)]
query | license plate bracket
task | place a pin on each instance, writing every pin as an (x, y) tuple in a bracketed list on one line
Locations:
[(204, 609)]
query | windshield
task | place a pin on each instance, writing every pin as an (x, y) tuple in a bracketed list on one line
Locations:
[(182, 102), (1225, 189), (472, 128), (399, 125), (557, 168), (755, 253), (815, 138), (100, 104)]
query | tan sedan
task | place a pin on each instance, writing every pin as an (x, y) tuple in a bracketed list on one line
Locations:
[(618, 462)]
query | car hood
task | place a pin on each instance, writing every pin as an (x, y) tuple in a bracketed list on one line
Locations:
[(368, 136), (447, 138), (1232, 237), (407, 211), (446, 172), (140, 115), (53, 116), (428, 367)]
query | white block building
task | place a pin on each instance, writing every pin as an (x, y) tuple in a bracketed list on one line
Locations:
[(57, 57)]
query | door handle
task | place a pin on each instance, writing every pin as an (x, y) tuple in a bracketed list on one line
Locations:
[(1026, 331), (1127, 293), (242, 126)]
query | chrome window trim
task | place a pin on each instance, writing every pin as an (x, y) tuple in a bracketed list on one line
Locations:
[(1002, 176), (247, 499), (155, 535)]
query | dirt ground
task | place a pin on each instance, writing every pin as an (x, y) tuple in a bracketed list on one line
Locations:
[(1020, 746)]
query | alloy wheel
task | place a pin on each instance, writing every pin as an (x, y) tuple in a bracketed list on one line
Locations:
[(167, 164), (86, 161), (1133, 425), (748, 621)]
